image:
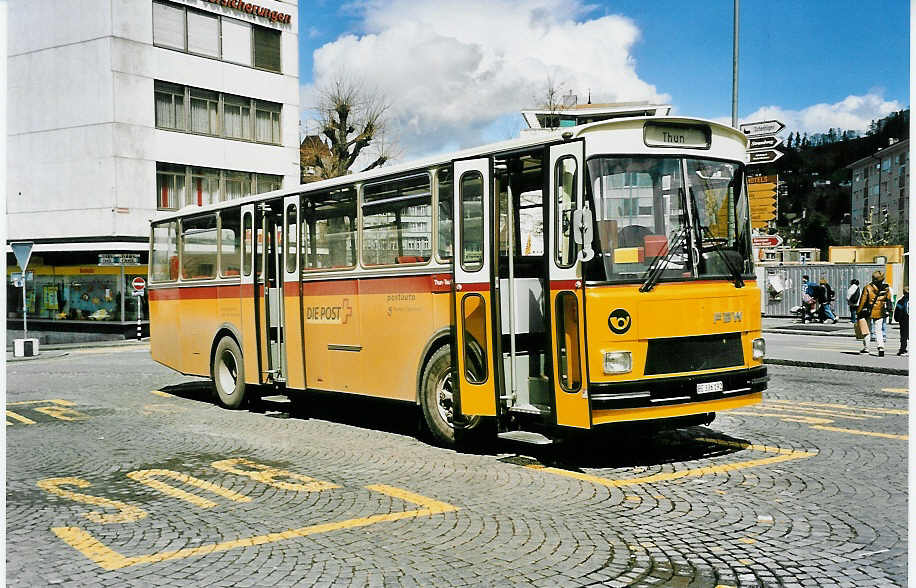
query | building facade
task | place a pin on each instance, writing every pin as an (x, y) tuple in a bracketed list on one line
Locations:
[(118, 109), (881, 193)]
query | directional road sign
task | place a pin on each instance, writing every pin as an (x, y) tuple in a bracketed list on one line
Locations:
[(765, 156), (757, 143), (766, 127), (766, 240)]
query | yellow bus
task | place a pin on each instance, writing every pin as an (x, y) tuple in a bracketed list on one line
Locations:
[(589, 276)]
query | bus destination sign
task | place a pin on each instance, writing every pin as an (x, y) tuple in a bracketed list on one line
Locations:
[(670, 135)]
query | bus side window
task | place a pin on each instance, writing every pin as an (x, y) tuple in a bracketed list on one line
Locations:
[(246, 249), (397, 221), (472, 221), (444, 221), (164, 264), (329, 229), (229, 243), (565, 193), (199, 247), (292, 238)]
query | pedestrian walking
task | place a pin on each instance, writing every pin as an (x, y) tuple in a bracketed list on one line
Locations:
[(827, 297), (872, 305), (902, 316), (852, 298)]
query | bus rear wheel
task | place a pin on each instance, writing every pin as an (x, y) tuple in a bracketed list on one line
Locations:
[(228, 372), (437, 398)]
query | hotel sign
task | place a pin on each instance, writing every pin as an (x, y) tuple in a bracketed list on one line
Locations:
[(255, 10)]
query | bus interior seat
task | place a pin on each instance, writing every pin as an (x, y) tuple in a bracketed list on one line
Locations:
[(632, 236), (173, 267), (655, 245), (410, 259)]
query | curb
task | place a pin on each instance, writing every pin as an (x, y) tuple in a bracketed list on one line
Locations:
[(91, 344), (839, 366), (11, 359)]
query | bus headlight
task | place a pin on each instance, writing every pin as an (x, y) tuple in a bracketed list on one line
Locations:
[(759, 349), (617, 362)]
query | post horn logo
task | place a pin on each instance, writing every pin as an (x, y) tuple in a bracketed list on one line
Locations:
[(619, 321)]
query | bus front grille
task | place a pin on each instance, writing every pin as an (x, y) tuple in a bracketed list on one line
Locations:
[(693, 354)]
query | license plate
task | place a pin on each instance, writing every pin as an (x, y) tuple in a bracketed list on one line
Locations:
[(707, 387)]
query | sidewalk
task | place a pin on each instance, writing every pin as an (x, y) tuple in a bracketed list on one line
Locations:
[(830, 346), (60, 350)]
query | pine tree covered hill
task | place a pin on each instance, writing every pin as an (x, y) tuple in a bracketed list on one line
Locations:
[(810, 162)]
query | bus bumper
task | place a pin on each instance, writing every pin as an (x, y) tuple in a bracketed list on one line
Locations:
[(677, 396)]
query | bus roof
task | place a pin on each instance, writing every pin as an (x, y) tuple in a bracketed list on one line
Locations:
[(438, 160)]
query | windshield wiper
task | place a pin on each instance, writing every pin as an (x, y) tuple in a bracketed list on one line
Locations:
[(716, 245), (660, 263)]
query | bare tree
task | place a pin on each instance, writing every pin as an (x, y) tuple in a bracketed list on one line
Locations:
[(351, 122), (878, 231)]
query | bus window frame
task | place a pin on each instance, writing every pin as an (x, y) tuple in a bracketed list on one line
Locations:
[(219, 241), (215, 275), (436, 219), (361, 227), (483, 233), (152, 250), (357, 188)]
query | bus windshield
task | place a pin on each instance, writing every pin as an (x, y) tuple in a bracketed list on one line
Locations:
[(688, 217)]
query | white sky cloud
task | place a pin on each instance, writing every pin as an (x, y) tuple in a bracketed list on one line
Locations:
[(455, 71), (851, 113)]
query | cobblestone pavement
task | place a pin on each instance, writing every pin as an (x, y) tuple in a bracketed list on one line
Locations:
[(122, 472)]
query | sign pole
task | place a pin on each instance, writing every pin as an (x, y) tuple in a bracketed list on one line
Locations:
[(735, 71), (25, 306), (139, 312), (123, 289)]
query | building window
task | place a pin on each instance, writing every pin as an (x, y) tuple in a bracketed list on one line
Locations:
[(204, 112), (236, 117), (170, 106), (169, 26), (203, 34), (210, 35), (216, 114), (236, 41), (267, 122), (266, 49), (182, 185), (170, 182)]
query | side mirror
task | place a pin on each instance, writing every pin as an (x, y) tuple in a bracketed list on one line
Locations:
[(583, 229)]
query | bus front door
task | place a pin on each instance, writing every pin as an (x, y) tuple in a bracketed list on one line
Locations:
[(566, 329), (271, 331), (474, 350)]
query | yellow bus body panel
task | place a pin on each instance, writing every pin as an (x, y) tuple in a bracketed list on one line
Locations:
[(572, 407), (476, 399)]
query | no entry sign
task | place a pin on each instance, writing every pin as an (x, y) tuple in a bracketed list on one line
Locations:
[(138, 283)]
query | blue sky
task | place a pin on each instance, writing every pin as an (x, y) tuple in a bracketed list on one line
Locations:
[(814, 63)]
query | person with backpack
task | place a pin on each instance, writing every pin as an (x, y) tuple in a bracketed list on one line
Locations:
[(902, 316), (852, 298), (826, 297), (871, 306)]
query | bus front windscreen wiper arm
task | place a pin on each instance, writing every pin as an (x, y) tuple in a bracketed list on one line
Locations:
[(660, 263), (716, 245)]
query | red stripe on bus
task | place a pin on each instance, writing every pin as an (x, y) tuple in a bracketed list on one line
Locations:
[(329, 287), (478, 287), (565, 284), (196, 293)]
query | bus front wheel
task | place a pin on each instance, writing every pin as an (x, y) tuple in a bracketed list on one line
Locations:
[(438, 391), (228, 372)]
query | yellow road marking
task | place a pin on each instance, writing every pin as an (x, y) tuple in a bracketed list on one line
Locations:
[(63, 413), (127, 513), (782, 455), (110, 559), (19, 418), (858, 432), (53, 401), (266, 474), (146, 477), (747, 540), (896, 390), (792, 419), (161, 393), (846, 406), (820, 411)]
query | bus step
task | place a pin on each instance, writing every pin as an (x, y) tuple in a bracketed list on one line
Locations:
[(526, 437), (529, 409)]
